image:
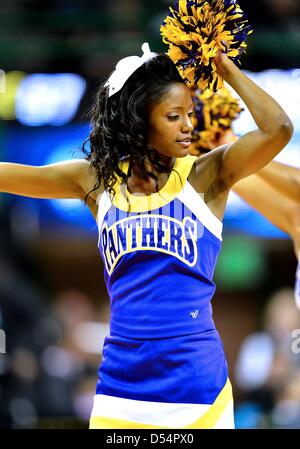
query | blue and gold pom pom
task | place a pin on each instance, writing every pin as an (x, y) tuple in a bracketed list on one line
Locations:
[(214, 114), (196, 31)]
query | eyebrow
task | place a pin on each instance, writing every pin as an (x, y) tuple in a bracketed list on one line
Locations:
[(180, 107)]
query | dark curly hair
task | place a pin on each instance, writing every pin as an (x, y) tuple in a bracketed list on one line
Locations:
[(119, 124)]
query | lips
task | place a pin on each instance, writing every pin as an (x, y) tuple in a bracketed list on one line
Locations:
[(184, 143), (185, 140)]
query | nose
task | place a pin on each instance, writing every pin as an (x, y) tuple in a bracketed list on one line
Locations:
[(187, 126)]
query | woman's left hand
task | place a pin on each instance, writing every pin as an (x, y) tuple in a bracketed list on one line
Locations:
[(224, 65)]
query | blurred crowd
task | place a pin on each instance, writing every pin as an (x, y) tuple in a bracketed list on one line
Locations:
[(53, 347), (282, 12), (267, 370), (87, 37)]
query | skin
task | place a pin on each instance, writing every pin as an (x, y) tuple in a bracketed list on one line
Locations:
[(274, 191), (231, 162), (213, 175), (169, 123)]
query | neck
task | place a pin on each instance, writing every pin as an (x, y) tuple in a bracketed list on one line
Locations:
[(137, 183), (136, 172)]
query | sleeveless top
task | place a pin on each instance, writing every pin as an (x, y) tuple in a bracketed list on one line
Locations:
[(159, 253)]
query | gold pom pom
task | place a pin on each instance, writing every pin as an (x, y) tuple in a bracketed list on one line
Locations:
[(214, 114), (196, 31)]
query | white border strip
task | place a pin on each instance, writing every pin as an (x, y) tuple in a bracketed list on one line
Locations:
[(226, 421), (104, 205), (195, 203), (187, 196), (160, 414)]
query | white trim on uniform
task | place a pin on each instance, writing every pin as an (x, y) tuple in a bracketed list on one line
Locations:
[(160, 414), (103, 207), (195, 203), (226, 420), (187, 196)]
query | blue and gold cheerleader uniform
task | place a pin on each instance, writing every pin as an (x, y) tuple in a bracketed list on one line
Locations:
[(163, 363)]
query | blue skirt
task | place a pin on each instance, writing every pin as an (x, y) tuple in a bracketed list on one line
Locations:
[(184, 369), (169, 382)]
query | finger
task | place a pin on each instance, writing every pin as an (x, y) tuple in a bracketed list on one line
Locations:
[(226, 47)]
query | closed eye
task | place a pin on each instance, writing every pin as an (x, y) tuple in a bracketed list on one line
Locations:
[(176, 117), (173, 117)]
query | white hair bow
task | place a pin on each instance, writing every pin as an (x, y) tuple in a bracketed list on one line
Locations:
[(126, 67)]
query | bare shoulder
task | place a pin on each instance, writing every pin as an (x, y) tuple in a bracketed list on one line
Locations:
[(206, 169), (206, 181), (86, 177)]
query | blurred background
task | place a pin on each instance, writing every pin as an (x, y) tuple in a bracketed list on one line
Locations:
[(54, 307)]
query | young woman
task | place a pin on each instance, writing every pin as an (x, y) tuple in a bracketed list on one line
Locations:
[(159, 212)]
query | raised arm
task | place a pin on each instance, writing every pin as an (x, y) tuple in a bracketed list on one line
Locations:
[(257, 148), (269, 202), (68, 179), (283, 178)]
